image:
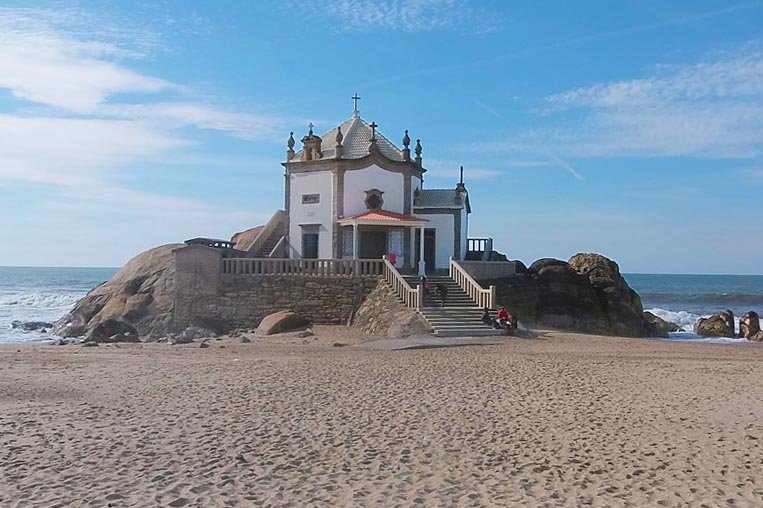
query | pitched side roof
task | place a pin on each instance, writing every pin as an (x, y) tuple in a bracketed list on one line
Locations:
[(357, 137), (438, 198)]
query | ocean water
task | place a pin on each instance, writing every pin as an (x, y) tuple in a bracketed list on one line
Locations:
[(46, 294), (683, 299), (42, 294)]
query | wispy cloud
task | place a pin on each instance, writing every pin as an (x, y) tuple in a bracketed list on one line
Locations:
[(408, 15), (72, 129), (709, 109)]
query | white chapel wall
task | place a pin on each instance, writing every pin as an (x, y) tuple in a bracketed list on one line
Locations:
[(356, 182), (320, 183), (444, 237)]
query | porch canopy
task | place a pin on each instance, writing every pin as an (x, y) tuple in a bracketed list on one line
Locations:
[(380, 217)]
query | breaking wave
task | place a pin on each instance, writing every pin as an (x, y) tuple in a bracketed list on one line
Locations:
[(43, 300)]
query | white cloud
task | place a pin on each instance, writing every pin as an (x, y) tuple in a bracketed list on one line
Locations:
[(408, 15), (708, 110)]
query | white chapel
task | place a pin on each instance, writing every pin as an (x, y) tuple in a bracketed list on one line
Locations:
[(353, 194)]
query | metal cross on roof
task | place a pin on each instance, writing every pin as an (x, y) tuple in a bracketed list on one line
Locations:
[(310, 126), (373, 130), (355, 98)]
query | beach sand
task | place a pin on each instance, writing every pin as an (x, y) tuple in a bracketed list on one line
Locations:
[(560, 420)]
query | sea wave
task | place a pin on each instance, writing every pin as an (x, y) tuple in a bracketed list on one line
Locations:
[(719, 299), (42, 300), (686, 321)]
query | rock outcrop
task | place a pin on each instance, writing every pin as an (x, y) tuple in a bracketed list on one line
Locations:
[(280, 322), (749, 325), (245, 239), (141, 295), (586, 294), (720, 324), (658, 327), (112, 330), (382, 314)]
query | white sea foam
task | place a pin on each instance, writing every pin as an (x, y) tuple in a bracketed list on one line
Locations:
[(683, 319), (686, 321), (42, 300)]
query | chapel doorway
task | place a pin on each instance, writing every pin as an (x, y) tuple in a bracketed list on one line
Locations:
[(430, 246), (373, 244), (309, 245)]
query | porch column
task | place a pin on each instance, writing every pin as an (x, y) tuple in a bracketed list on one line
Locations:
[(412, 262), (355, 241), (422, 264)]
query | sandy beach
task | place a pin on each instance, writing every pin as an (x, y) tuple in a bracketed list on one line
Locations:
[(560, 420)]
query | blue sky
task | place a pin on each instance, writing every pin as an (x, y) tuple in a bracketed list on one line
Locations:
[(634, 130)]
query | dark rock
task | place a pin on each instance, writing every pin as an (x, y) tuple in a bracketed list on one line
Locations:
[(338, 344), (305, 333), (658, 327), (280, 322), (204, 345), (31, 326), (586, 294), (89, 344), (749, 325), (620, 303), (519, 267), (245, 340), (720, 324), (112, 330)]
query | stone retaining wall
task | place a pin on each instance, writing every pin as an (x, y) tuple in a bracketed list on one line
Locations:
[(243, 301)]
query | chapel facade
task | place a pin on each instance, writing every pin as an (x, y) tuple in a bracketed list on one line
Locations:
[(353, 194)]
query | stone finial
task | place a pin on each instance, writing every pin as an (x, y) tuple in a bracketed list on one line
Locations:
[(418, 152), (290, 145), (373, 146), (406, 147), (338, 149)]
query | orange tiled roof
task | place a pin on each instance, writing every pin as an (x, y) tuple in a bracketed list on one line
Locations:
[(385, 216)]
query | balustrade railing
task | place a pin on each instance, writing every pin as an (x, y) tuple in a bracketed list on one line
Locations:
[(317, 267), (411, 297), (484, 298)]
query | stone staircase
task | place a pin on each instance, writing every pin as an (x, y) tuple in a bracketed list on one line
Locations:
[(460, 317), (269, 244)]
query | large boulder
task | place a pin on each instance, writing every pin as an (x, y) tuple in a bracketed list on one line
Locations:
[(112, 330), (141, 295), (720, 324), (280, 322), (620, 303), (658, 327), (586, 294), (566, 298), (749, 325), (245, 239)]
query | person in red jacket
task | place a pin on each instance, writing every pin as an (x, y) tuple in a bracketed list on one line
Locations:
[(506, 319)]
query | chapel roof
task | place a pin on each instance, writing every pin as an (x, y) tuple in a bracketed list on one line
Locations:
[(381, 215), (438, 198), (357, 137)]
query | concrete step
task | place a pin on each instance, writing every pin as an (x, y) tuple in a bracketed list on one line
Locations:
[(484, 332)]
